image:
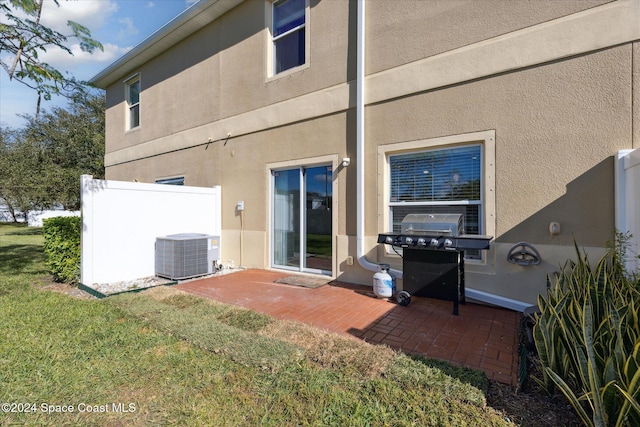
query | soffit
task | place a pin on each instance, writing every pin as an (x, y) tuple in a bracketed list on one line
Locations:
[(188, 22)]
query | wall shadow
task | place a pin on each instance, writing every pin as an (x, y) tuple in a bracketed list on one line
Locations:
[(585, 212)]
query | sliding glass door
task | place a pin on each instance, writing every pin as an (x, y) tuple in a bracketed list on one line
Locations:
[(301, 226)]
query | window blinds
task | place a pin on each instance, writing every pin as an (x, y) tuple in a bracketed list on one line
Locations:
[(451, 174)]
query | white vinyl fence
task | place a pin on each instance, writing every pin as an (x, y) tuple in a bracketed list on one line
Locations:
[(628, 202), (35, 218), (121, 221)]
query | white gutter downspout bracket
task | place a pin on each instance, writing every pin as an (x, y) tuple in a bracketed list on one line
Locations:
[(360, 159)]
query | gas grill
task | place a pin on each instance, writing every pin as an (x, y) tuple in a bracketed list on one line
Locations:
[(433, 247)]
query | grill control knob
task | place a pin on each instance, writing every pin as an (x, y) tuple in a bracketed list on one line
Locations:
[(422, 241), (448, 243), (388, 239), (433, 242), (408, 240)]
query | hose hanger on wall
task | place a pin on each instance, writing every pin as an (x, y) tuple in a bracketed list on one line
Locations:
[(523, 253)]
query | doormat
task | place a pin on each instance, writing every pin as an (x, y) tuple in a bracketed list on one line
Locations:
[(307, 282)]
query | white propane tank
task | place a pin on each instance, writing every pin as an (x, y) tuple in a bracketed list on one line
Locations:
[(384, 284)]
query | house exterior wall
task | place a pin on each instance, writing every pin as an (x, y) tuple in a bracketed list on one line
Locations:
[(636, 94), (452, 24), (554, 83)]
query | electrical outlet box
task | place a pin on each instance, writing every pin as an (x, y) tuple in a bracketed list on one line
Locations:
[(240, 206)]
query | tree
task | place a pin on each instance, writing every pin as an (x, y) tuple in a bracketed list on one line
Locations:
[(26, 38), (40, 165), (73, 142), (20, 168)]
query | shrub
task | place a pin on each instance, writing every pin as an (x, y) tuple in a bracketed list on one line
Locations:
[(62, 247), (588, 340)]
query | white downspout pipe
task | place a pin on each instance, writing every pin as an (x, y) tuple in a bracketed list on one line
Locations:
[(360, 159)]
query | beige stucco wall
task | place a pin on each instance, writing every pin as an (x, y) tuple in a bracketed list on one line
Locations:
[(559, 115), (220, 72), (557, 127), (636, 94), (420, 29), (242, 167)]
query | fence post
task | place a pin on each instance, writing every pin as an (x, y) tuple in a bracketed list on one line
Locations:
[(86, 234)]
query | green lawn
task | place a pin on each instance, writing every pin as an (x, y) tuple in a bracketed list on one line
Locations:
[(319, 244), (164, 358)]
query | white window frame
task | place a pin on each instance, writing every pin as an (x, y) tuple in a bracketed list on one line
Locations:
[(131, 107), (270, 223), (486, 139), (271, 50)]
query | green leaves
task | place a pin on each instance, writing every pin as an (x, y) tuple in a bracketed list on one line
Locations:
[(62, 247), (23, 39), (87, 44), (587, 337), (40, 166)]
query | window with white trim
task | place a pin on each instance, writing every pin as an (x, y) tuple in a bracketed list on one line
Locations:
[(133, 102), (441, 180), (288, 34)]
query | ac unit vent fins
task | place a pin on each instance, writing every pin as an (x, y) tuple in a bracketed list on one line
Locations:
[(183, 256)]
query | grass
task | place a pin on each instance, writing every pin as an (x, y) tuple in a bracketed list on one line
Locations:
[(319, 244), (171, 358)]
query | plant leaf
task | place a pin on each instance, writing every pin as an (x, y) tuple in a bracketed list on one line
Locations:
[(599, 415), (570, 395)]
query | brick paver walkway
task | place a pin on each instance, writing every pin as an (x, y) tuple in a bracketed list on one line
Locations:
[(480, 337)]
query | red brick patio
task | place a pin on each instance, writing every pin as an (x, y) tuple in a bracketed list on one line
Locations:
[(480, 337)]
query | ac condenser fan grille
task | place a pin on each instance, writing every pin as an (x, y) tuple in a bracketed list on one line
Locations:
[(182, 256)]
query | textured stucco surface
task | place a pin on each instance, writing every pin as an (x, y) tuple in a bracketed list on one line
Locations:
[(420, 29), (220, 72), (557, 122), (557, 126), (636, 94)]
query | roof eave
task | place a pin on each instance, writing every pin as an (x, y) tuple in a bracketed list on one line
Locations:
[(188, 22)]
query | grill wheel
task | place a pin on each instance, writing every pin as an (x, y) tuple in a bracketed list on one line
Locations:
[(403, 298)]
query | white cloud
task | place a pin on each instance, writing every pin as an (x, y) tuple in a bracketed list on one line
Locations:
[(92, 14), (150, 5), (83, 65), (129, 29)]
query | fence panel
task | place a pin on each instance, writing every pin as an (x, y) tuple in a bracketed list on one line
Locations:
[(121, 221), (628, 202)]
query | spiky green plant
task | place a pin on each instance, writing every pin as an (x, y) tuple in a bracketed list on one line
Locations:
[(588, 340)]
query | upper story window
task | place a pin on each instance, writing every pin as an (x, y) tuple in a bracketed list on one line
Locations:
[(288, 34), (133, 102)]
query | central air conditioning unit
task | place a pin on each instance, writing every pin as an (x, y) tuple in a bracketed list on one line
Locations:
[(186, 255)]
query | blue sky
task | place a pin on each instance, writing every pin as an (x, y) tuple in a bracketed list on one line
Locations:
[(119, 25)]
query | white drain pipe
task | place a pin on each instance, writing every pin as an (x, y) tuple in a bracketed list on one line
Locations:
[(360, 160)]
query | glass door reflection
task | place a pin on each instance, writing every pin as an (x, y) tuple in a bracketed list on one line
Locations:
[(302, 226)]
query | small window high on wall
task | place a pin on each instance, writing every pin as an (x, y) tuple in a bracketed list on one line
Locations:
[(133, 102), (171, 181)]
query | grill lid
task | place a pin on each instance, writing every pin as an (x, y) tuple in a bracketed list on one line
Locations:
[(433, 224)]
